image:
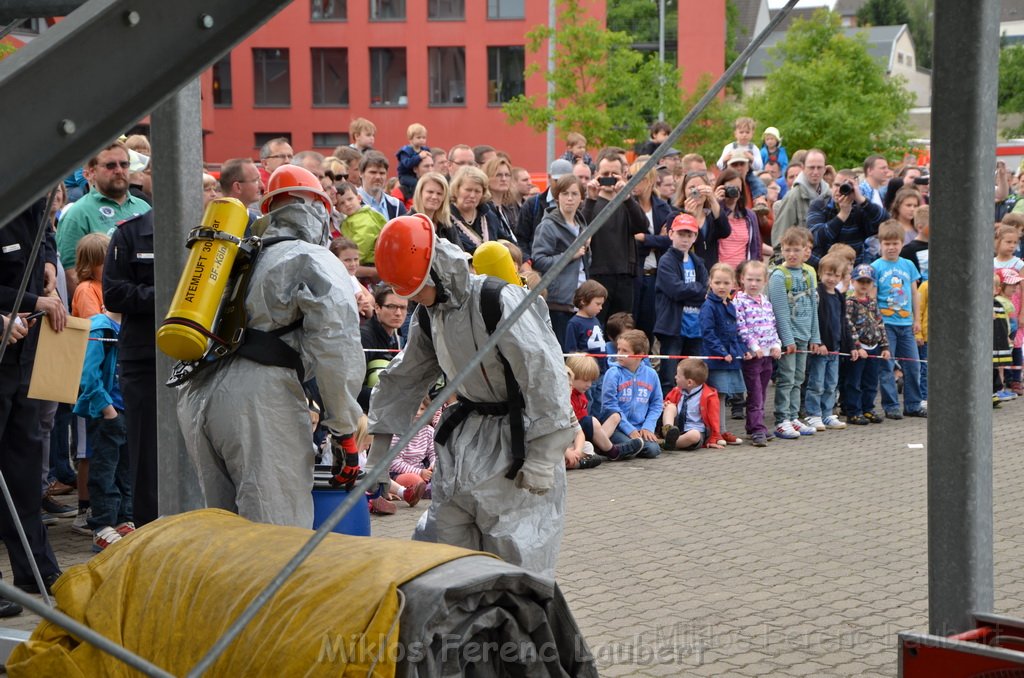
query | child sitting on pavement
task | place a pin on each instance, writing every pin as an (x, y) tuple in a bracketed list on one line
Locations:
[(414, 465), (631, 389), (583, 370), (692, 410)]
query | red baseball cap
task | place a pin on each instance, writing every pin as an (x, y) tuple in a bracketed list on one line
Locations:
[(685, 222)]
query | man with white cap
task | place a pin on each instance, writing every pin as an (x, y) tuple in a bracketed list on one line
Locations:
[(535, 206)]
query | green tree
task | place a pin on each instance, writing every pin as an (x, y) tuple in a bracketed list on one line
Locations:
[(5, 51), (713, 128), (602, 88), (1011, 85), (922, 26), (883, 13), (639, 18), (828, 91)]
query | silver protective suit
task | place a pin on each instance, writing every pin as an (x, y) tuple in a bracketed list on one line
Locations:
[(474, 505), (246, 425)]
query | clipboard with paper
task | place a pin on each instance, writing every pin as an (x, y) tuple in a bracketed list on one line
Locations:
[(57, 371)]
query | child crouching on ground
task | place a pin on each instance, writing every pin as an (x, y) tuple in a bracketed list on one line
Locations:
[(583, 370), (755, 323), (631, 389), (692, 410)]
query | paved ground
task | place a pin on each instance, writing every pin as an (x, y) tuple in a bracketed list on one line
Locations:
[(804, 558)]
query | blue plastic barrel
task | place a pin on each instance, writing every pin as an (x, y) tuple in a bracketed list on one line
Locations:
[(325, 499)]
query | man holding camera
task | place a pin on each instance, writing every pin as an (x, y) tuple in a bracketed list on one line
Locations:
[(613, 251), (846, 216)]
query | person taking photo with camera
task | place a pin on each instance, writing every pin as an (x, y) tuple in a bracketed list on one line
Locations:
[(741, 239), (845, 216), (614, 257)]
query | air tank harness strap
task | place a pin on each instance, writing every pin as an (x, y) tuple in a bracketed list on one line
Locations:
[(206, 233), (457, 413), (267, 348)]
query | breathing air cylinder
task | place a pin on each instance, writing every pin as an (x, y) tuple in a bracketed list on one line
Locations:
[(493, 258), (185, 332)]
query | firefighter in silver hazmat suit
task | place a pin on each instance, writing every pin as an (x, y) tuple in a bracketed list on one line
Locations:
[(247, 425), (474, 504)]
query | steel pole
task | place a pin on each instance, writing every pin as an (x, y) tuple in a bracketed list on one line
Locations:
[(960, 570), (177, 201), (552, 24), (661, 58)]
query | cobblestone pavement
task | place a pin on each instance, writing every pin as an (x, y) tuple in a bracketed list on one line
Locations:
[(803, 558)]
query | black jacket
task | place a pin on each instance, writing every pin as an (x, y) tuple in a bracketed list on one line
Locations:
[(128, 287), (16, 238), (613, 247), (835, 331)]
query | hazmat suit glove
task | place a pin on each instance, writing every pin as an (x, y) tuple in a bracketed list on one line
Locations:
[(536, 475), (345, 469)]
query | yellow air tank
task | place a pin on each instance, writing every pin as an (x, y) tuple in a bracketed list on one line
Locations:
[(493, 258), (183, 335)]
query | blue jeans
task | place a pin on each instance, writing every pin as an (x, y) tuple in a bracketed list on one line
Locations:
[(823, 375), (922, 353), (902, 345), (649, 451), (110, 480), (862, 384), (789, 376)]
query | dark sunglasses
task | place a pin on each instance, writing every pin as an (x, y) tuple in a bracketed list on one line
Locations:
[(111, 166)]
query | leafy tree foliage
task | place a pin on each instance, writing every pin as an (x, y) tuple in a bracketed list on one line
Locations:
[(883, 13), (1011, 85), (602, 88), (827, 91)]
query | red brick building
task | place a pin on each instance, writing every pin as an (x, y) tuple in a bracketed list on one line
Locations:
[(448, 64)]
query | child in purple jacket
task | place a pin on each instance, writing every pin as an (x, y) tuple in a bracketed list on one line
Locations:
[(755, 321)]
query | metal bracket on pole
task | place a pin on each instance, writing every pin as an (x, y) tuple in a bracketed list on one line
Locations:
[(126, 56)]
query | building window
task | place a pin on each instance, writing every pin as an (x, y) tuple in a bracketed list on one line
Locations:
[(273, 83), (330, 139), (387, 10), (387, 76), (910, 60), (330, 77), (899, 57), (505, 68), (506, 9), (260, 138), (447, 75), (222, 82), (329, 10), (451, 10)]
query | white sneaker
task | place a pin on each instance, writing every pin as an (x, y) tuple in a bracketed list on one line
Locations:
[(833, 422), (802, 428), (816, 423), (80, 524), (785, 431)]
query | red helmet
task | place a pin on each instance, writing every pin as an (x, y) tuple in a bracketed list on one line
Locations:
[(404, 252), (297, 181)]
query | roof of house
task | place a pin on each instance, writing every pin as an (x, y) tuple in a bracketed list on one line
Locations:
[(797, 13), (1011, 10), (747, 11), (848, 7), (880, 41)]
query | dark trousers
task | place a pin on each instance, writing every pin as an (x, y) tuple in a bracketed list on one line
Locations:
[(757, 375), (60, 445), (22, 466), (675, 345), (861, 384), (643, 304), (559, 323), (138, 384), (620, 294), (110, 483)]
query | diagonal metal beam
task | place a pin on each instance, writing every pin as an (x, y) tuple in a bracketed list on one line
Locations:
[(127, 56)]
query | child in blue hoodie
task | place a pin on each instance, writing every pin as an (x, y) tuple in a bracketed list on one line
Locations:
[(722, 341), (631, 389), (101, 404)]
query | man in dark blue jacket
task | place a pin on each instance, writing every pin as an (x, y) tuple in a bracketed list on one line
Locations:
[(846, 216), (20, 443)]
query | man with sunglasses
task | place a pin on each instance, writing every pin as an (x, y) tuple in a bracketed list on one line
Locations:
[(100, 210)]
